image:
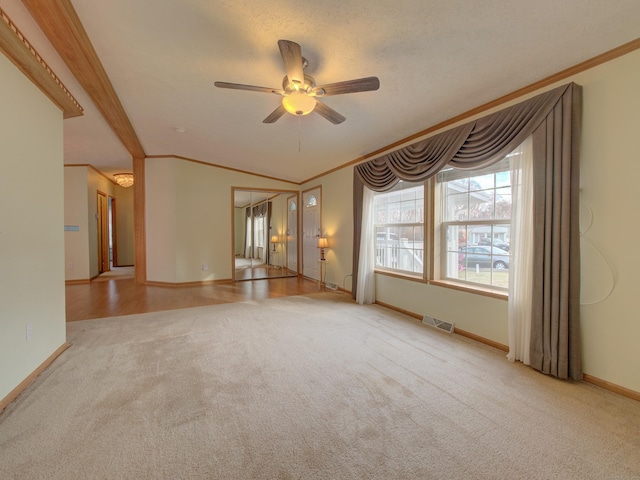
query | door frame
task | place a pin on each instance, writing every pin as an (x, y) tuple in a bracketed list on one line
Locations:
[(278, 191), (103, 232), (320, 231), (296, 241), (111, 204)]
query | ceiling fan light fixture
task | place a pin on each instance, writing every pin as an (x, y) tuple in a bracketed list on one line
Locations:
[(299, 103)]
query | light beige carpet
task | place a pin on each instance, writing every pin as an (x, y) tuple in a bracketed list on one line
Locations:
[(308, 387)]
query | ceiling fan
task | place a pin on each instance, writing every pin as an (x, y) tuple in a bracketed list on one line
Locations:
[(299, 91)]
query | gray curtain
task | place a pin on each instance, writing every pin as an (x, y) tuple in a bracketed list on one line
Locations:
[(261, 210), (554, 119), (555, 339)]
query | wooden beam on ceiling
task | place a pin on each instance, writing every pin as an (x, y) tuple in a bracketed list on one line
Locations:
[(60, 23), (18, 49)]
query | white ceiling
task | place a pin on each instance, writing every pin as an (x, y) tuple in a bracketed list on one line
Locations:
[(434, 60)]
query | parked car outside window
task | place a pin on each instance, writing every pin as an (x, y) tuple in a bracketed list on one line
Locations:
[(483, 256), (496, 243)]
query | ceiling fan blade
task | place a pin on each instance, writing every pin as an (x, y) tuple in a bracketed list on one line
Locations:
[(275, 115), (328, 113), (349, 86), (252, 88), (292, 58)]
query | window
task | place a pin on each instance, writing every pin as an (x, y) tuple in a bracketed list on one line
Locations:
[(312, 201), (260, 234), (399, 229), (474, 226)]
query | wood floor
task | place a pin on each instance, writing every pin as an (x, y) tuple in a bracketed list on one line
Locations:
[(263, 272), (116, 293)]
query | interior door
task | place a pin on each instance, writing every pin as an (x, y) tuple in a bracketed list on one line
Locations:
[(311, 208), (292, 234), (103, 233)]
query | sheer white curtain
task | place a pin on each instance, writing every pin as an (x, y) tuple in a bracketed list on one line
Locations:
[(248, 252), (260, 237), (520, 271), (366, 287)]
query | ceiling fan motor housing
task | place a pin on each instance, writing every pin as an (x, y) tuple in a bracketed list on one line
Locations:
[(290, 87)]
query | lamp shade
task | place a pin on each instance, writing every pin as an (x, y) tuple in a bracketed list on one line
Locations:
[(274, 239), (323, 242)]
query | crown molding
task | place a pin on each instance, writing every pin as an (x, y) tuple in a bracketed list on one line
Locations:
[(22, 54), (246, 172)]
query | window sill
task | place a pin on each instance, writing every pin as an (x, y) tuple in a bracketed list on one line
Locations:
[(404, 276), (478, 290)]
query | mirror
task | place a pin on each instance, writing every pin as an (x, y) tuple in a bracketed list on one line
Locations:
[(265, 240)]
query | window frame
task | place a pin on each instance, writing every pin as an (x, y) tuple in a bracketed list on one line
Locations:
[(439, 242), (426, 257)]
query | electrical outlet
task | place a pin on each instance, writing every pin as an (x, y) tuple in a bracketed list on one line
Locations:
[(70, 265), (205, 267), (29, 331)]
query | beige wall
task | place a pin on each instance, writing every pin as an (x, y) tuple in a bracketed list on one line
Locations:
[(124, 225), (610, 167), (76, 214), (609, 202), (189, 219), (160, 213), (31, 228)]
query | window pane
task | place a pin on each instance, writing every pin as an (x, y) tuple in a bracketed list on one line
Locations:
[(503, 203), (380, 214), (481, 182), (474, 254), (409, 211), (479, 234), (481, 205), (457, 207), (503, 179), (399, 229), (475, 227), (456, 237), (408, 194)]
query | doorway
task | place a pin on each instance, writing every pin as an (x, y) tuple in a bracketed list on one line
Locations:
[(107, 245)]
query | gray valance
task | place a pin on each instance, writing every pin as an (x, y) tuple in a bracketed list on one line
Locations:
[(259, 210), (469, 146)]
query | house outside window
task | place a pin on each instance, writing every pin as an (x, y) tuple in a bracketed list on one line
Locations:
[(399, 230), (473, 223)]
